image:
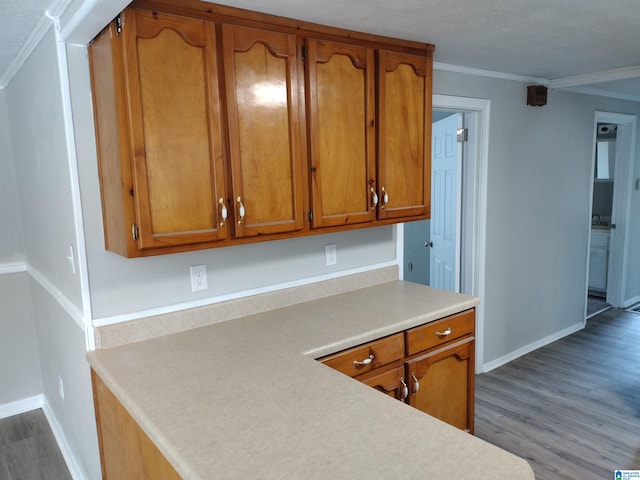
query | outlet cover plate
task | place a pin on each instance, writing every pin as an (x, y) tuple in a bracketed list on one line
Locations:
[(331, 256), (198, 277)]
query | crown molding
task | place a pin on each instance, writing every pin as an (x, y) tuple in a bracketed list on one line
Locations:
[(602, 93), (446, 67), (597, 77)]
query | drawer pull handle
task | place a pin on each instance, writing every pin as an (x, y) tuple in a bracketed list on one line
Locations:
[(446, 333), (241, 210), (223, 211), (416, 383), (374, 198), (404, 393), (364, 362)]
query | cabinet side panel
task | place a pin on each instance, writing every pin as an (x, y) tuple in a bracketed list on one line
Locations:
[(114, 165), (126, 451)]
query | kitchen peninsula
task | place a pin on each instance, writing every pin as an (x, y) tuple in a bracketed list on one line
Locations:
[(246, 398)]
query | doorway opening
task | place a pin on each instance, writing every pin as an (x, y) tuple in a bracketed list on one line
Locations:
[(614, 141), (464, 208)]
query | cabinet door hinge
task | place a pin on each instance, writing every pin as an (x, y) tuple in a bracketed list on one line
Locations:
[(310, 215), (134, 232), (118, 22), (463, 135)]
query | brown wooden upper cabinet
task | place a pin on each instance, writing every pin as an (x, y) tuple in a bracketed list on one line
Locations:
[(217, 126), (264, 114), (404, 135), (341, 105), (159, 132)]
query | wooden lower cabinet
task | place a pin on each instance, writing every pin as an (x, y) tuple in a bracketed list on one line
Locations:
[(436, 375), (389, 381), (126, 452), (445, 380)]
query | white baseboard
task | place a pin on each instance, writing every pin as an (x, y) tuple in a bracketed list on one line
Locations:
[(76, 471), (632, 301), (498, 362), (21, 406)]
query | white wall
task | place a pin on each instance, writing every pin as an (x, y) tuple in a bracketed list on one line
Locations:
[(19, 364), (538, 198), (41, 158), (35, 110), (11, 246)]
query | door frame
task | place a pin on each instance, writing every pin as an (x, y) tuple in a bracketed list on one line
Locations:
[(474, 198), (623, 180)]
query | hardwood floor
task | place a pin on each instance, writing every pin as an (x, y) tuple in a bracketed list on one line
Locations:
[(28, 449), (572, 408)]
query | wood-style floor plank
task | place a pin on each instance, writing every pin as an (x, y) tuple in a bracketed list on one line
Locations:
[(571, 408), (28, 449)]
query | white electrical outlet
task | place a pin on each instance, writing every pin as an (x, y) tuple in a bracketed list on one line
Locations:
[(331, 256), (60, 387), (198, 277)]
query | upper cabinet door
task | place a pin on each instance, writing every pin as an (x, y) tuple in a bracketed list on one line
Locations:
[(176, 138), (341, 113), (404, 135), (263, 104)]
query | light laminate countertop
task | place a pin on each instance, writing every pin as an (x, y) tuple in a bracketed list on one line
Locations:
[(246, 399)]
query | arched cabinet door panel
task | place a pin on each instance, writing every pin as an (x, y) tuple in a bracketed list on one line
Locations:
[(264, 112), (341, 119), (175, 129), (404, 135)]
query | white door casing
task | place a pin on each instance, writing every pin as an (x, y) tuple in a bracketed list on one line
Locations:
[(623, 178)]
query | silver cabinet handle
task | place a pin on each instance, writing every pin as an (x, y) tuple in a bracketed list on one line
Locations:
[(416, 383), (404, 393), (446, 333), (364, 362), (374, 199)]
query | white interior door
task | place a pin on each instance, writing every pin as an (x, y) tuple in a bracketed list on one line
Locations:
[(616, 265), (444, 254)]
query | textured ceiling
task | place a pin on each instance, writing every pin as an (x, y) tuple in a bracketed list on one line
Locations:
[(21, 17), (546, 39)]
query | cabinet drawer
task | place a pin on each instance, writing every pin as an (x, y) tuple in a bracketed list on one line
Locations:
[(368, 356), (440, 332)]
